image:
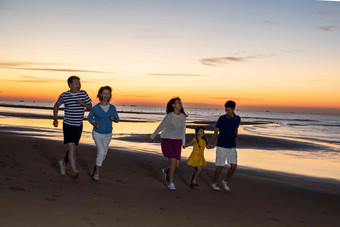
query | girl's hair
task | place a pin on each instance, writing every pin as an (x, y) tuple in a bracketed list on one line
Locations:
[(170, 108), (196, 131), (101, 91)]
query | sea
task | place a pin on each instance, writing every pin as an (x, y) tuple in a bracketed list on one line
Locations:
[(314, 139)]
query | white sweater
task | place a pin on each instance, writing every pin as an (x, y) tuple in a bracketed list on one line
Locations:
[(172, 127)]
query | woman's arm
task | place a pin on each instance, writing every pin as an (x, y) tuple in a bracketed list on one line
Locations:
[(161, 126), (114, 117), (213, 141), (184, 129)]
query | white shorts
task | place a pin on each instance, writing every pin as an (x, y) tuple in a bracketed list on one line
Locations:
[(223, 154)]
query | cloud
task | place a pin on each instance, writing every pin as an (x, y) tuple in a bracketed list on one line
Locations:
[(56, 70), (164, 74), (25, 63), (34, 79), (136, 96), (267, 21), (308, 81), (327, 13), (23, 66), (217, 61), (228, 98), (328, 28), (269, 87), (221, 60)]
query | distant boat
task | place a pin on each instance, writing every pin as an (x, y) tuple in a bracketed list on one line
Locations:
[(133, 105), (267, 111)]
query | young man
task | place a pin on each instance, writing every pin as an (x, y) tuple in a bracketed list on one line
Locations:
[(227, 127), (75, 102)]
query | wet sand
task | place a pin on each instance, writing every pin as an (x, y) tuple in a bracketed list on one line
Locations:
[(132, 191)]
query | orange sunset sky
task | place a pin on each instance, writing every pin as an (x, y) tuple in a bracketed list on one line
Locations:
[(265, 55)]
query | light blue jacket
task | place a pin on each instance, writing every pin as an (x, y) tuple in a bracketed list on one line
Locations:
[(99, 116)]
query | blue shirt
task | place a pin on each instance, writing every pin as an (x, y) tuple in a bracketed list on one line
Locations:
[(227, 126), (99, 116)]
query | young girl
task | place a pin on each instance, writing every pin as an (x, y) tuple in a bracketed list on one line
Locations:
[(173, 137), (196, 159), (101, 117)]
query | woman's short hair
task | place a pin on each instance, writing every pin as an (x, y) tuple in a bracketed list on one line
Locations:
[(101, 91)]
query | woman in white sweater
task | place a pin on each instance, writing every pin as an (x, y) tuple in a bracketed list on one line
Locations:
[(173, 137)]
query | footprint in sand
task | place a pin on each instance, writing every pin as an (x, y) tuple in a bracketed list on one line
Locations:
[(88, 221), (53, 197), (274, 219), (17, 188)]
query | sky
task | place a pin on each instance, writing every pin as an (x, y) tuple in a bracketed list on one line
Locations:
[(280, 55)]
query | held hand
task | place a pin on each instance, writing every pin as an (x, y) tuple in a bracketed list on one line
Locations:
[(236, 139), (55, 123), (150, 140), (97, 126), (112, 118)]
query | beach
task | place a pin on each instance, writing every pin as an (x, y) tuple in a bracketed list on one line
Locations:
[(132, 192)]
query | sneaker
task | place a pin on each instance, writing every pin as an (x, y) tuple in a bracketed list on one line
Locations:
[(95, 177), (75, 175), (225, 185), (165, 173), (194, 184), (62, 167), (171, 186), (215, 187)]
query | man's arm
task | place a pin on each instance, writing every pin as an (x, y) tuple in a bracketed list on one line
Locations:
[(55, 114), (213, 141), (88, 106), (236, 135)]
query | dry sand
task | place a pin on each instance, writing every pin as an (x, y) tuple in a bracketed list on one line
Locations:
[(132, 192)]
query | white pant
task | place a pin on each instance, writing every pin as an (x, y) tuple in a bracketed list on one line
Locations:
[(225, 154), (102, 142)]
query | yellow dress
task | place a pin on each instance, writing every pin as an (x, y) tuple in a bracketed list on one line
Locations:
[(196, 157)]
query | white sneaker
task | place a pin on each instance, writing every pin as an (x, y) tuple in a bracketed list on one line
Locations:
[(171, 186), (225, 185), (62, 167), (95, 177), (215, 187)]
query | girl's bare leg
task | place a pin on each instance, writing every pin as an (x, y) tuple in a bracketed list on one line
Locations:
[(198, 170)]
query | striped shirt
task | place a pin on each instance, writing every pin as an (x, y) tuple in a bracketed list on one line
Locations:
[(74, 113)]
